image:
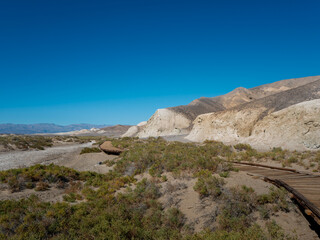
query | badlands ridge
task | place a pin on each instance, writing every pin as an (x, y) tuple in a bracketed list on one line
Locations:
[(282, 114)]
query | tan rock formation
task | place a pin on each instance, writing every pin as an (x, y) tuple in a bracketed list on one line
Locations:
[(108, 148), (272, 121), (179, 120)]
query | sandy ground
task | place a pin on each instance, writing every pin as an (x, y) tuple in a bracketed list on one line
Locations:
[(88, 162), (17, 159), (68, 156), (179, 193), (202, 213)]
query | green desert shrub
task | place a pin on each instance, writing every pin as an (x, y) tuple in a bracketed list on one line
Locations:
[(42, 186), (136, 213), (276, 196), (277, 233), (158, 155), (239, 205), (254, 232), (224, 174), (208, 185), (174, 218), (243, 147), (90, 150), (19, 179), (72, 197)]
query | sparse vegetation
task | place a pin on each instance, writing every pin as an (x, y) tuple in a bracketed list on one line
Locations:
[(90, 150), (42, 177), (277, 196), (208, 185), (94, 208), (158, 156), (25, 142), (243, 147), (29, 142)]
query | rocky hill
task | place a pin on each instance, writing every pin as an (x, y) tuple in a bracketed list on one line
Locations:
[(234, 117)]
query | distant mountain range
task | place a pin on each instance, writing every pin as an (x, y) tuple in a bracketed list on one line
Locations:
[(110, 131), (9, 128)]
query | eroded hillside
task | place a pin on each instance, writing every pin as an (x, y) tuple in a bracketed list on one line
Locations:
[(254, 122), (180, 120)]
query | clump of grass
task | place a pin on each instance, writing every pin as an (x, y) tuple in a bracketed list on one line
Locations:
[(224, 174), (277, 196), (264, 212), (243, 147), (277, 150), (72, 197), (208, 185), (276, 232), (174, 218), (42, 186), (90, 150), (236, 214)]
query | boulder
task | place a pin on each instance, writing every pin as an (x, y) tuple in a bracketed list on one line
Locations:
[(108, 148)]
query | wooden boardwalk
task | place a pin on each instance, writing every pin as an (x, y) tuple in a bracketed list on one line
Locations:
[(304, 187)]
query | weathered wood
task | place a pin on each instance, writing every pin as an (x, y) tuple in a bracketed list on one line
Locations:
[(297, 177), (302, 199), (308, 212), (303, 187), (266, 166)]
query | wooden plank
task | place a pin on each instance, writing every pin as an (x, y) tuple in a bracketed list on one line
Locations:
[(266, 166), (306, 191), (280, 174), (247, 168), (312, 190), (306, 178), (262, 171), (305, 188), (314, 198), (303, 181), (299, 184), (304, 185), (297, 177), (302, 199)]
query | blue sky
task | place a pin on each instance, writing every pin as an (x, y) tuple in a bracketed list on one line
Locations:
[(118, 61)]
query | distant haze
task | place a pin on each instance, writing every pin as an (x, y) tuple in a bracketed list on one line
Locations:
[(9, 128)]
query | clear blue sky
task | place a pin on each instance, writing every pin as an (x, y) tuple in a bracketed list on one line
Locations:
[(118, 61)]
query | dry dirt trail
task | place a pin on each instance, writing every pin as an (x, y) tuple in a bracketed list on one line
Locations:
[(17, 159)]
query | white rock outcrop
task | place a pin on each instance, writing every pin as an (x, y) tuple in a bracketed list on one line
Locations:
[(296, 127), (179, 120), (165, 123), (133, 131)]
